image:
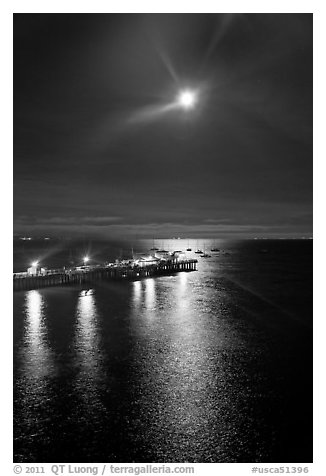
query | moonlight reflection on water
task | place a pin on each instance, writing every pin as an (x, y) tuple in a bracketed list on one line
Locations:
[(197, 367)]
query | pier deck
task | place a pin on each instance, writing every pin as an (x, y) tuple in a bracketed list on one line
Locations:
[(113, 272)]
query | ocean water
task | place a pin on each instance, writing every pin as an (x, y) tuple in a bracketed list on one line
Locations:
[(206, 366)]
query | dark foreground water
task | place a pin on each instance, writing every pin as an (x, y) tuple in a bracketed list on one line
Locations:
[(209, 366)]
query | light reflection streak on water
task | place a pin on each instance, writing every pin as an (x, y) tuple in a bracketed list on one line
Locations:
[(182, 299), (144, 298), (36, 355), (87, 348), (33, 380), (150, 295), (187, 366), (137, 294), (177, 373)]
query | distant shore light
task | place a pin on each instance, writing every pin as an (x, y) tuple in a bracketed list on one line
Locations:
[(35, 263), (86, 258)]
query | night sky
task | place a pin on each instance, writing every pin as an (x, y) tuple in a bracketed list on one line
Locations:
[(98, 150)]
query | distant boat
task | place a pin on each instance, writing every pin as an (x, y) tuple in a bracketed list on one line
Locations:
[(215, 249), (198, 250), (205, 255), (188, 249)]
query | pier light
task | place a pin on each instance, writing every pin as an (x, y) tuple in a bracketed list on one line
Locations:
[(34, 264), (187, 99), (86, 259)]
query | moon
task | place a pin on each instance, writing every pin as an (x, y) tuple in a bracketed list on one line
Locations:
[(187, 99)]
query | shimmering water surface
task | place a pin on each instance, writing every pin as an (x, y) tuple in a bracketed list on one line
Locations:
[(208, 366)]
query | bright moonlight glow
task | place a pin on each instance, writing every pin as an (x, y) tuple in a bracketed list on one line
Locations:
[(86, 258), (187, 99)]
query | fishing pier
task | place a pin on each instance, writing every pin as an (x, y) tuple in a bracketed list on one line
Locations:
[(91, 275)]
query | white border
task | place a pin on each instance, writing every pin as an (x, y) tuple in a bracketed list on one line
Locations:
[(94, 6)]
